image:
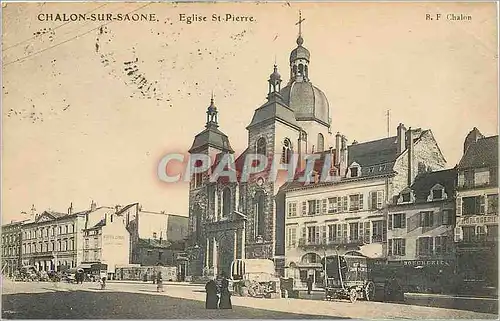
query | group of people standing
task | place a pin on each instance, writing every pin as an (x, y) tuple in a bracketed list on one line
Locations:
[(218, 297)]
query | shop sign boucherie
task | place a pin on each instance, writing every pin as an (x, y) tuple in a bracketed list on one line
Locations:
[(426, 263), (478, 219)]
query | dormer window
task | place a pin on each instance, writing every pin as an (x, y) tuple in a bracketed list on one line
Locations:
[(354, 170), (381, 168), (437, 193), (406, 196)]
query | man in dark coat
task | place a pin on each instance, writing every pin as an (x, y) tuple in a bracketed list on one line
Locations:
[(212, 299), (309, 284), (225, 295)]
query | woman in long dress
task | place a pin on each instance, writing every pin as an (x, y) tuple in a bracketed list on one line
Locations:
[(225, 295), (212, 299)]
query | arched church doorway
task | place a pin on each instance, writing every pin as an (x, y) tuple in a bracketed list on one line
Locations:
[(225, 253)]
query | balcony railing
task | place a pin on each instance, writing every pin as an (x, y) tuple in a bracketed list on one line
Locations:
[(334, 242), (471, 185)]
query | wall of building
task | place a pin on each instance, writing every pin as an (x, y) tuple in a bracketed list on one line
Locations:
[(115, 242), (426, 152), (412, 230), (294, 253)]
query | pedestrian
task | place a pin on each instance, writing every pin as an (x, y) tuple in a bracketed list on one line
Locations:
[(212, 299), (225, 295), (159, 282), (309, 284), (102, 280)]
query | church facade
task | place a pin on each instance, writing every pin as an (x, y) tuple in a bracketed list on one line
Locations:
[(250, 218)]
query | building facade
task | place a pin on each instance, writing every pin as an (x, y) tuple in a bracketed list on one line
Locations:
[(11, 247), (476, 232), (421, 222), (245, 218), (52, 242), (349, 215), (157, 238), (108, 241)]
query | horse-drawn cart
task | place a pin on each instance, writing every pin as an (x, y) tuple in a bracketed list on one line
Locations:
[(347, 278)]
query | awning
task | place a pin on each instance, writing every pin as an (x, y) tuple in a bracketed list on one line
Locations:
[(373, 250), (84, 266)]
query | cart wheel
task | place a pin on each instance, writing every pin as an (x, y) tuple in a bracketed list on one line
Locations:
[(353, 295), (370, 291)]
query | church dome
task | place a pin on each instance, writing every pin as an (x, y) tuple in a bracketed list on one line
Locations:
[(299, 53), (307, 101)]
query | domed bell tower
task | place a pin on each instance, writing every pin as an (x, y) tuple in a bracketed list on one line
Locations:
[(299, 58)]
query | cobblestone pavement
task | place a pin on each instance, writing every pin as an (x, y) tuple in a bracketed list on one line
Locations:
[(140, 300)]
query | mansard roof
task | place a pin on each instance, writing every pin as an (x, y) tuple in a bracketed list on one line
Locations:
[(483, 153), (424, 182)]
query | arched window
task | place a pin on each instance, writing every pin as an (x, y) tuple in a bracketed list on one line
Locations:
[(301, 69), (261, 146), (287, 151), (294, 69), (226, 202), (305, 70), (321, 142), (259, 214)]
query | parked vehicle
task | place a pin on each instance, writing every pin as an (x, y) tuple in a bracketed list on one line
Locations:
[(255, 278), (347, 277)]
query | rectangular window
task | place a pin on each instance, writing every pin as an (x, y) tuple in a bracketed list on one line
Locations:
[(469, 233), (353, 231), (376, 200), (344, 204), (292, 209), (354, 202), (291, 236), (469, 178), (304, 208), (332, 232), (333, 204), (425, 246), (377, 231), (441, 244), (437, 194), (481, 233), (493, 204), (312, 234), (406, 197), (398, 220), (399, 247), (324, 204), (447, 217), (426, 219)]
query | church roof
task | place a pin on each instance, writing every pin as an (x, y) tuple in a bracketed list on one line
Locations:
[(273, 110), (482, 153), (307, 101), (211, 137)]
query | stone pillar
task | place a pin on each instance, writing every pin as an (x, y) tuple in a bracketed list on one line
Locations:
[(214, 255), (243, 241), (235, 248), (207, 253)]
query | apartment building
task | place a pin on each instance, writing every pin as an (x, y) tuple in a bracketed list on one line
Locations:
[(11, 247), (349, 214), (476, 232)]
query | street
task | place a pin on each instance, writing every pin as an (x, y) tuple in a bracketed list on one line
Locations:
[(135, 300)]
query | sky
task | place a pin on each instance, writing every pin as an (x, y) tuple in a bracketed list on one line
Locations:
[(89, 108)]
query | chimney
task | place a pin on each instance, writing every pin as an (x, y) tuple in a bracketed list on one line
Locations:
[(93, 206), (401, 138), (409, 136), (343, 156), (337, 149), (70, 209), (473, 136)]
